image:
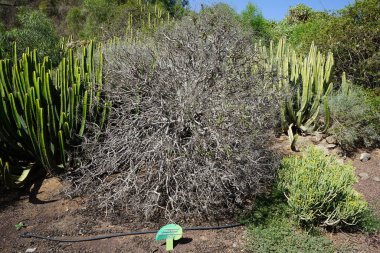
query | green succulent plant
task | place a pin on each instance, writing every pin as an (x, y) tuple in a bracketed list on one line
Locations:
[(305, 80), (42, 109)]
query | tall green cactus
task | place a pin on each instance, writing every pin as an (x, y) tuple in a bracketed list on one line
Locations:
[(42, 109), (307, 79), (346, 85), (148, 19)]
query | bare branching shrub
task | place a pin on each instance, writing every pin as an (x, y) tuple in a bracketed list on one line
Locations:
[(188, 133)]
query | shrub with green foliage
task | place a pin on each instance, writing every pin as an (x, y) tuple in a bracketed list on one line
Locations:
[(370, 222), (300, 26), (36, 31), (252, 18), (356, 52), (89, 20), (360, 127), (49, 7), (3, 40), (272, 228), (319, 190), (75, 20), (176, 8), (302, 35), (299, 13), (104, 19)]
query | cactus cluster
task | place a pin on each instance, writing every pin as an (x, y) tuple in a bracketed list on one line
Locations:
[(149, 18), (305, 78), (43, 109)]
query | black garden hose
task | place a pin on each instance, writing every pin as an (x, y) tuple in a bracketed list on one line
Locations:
[(101, 237)]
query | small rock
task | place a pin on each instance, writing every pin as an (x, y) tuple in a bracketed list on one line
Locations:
[(234, 245), (317, 138), (331, 140), (338, 152), (30, 250), (331, 146), (364, 176), (203, 238), (377, 179), (364, 157)]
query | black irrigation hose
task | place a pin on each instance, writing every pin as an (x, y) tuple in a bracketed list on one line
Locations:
[(100, 237), (214, 227)]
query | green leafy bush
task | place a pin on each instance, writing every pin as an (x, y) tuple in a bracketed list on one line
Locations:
[(104, 19), (75, 20), (356, 52), (36, 31), (49, 7), (300, 26), (319, 190), (302, 35), (98, 14), (299, 13), (252, 18), (177, 8), (3, 40), (360, 127), (370, 222)]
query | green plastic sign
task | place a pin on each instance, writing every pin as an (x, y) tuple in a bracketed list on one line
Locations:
[(170, 233)]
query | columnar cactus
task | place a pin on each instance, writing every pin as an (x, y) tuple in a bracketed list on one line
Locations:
[(149, 18), (308, 77), (42, 109)]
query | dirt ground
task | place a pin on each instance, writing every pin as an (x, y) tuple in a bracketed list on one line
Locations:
[(371, 191), (49, 213)]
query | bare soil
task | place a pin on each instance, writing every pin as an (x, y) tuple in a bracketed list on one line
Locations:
[(49, 213), (360, 242)]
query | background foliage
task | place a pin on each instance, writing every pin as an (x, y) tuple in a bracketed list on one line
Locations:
[(253, 19), (35, 30), (104, 19), (352, 34), (361, 126)]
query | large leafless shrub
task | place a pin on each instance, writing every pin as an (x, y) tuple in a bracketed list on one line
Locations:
[(188, 133)]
